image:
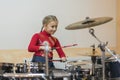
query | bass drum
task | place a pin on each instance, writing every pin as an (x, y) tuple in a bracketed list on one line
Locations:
[(114, 70)]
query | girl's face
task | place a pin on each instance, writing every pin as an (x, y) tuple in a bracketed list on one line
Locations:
[(51, 27)]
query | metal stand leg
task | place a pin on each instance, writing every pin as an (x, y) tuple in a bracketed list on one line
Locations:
[(102, 47), (46, 60), (93, 59)]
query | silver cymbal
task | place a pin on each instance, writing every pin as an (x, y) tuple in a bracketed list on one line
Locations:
[(78, 62), (88, 22)]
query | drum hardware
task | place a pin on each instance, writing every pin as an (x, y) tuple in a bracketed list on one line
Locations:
[(20, 75), (103, 49), (93, 59), (46, 58), (90, 23)]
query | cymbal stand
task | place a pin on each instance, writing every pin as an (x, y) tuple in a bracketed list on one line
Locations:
[(93, 58), (103, 48)]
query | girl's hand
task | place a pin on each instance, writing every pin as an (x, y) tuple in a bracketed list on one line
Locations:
[(49, 49), (63, 59)]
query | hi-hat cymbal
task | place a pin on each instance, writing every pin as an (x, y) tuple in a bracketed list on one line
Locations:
[(79, 62), (90, 54), (88, 22)]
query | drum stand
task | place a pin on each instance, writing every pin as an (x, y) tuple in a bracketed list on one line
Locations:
[(93, 59), (103, 48), (46, 59)]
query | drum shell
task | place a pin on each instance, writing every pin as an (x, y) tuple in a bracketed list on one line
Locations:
[(21, 68), (114, 69), (7, 67), (82, 73)]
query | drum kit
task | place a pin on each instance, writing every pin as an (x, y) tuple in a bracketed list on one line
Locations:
[(102, 68)]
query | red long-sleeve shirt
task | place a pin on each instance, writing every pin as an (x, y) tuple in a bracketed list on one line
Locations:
[(38, 40)]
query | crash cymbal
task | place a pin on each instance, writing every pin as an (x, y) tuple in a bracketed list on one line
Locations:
[(88, 22)]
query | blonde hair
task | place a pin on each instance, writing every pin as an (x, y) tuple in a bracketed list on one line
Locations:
[(48, 19)]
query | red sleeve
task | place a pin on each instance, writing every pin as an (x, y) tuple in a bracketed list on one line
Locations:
[(33, 47), (59, 50)]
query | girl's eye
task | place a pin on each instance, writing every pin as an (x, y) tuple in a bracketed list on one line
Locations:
[(53, 26)]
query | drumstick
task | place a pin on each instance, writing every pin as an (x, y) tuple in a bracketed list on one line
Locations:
[(55, 60), (65, 46)]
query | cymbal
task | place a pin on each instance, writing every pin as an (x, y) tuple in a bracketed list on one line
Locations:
[(88, 22), (75, 63), (91, 54)]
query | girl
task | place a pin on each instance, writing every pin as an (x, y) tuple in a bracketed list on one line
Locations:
[(38, 41)]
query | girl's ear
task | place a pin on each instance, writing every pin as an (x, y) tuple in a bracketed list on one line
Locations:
[(45, 25)]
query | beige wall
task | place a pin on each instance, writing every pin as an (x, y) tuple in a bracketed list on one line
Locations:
[(18, 56), (118, 25)]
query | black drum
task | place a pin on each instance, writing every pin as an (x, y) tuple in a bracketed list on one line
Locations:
[(114, 69), (7, 67), (21, 68)]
